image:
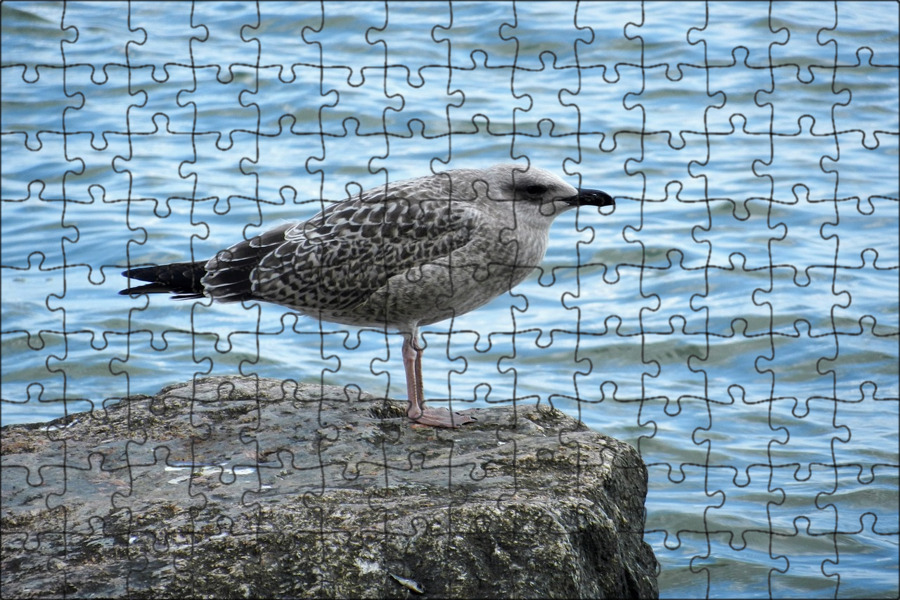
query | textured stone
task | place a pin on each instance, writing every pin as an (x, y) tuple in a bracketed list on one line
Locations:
[(235, 487)]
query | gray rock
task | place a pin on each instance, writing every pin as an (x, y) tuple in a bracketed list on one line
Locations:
[(235, 487)]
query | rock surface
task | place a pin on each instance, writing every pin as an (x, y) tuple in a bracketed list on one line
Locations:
[(234, 487)]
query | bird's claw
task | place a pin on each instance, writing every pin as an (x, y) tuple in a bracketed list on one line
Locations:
[(440, 417)]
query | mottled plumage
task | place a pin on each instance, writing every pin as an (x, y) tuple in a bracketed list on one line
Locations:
[(399, 256)]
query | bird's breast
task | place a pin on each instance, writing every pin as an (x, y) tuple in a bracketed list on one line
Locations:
[(469, 277)]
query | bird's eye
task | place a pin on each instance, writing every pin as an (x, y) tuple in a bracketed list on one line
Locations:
[(536, 190)]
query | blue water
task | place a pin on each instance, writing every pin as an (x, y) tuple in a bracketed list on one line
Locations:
[(735, 318)]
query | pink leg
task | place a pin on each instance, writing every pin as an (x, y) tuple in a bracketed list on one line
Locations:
[(410, 358), (417, 411)]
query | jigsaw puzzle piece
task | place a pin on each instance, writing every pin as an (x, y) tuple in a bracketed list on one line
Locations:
[(40, 52), (730, 182), (613, 383), (759, 41), (858, 397), (666, 48), (716, 38), (471, 30), (869, 189), (282, 178), (102, 112), (679, 536), (809, 46), (742, 508), (667, 414), (354, 68), (156, 157), (513, 353), (366, 359), (82, 50), (594, 51), (746, 240), (666, 176), (32, 334), (159, 106), (146, 340), (608, 76), (728, 355), (39, 174), (793, 100), (614, 131), (300, 19), (742, 530), (409, 44), (223, 195), (806, 552), (654, 98), (729, 571), (233, 116), (802, 350), (220, 48), (225, 339), (328, 338), (792, 153), (854, 34), (731, 300), (749, 117), (476, 70), (880, 539), (667, 223), (543, 64), (26, 129), (32, 483), (341, 179), (535, 49), (419, 80), (758, 433), (158, 42), (864, 311)]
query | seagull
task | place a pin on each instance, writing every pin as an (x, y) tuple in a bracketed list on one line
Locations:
[(395, 257)]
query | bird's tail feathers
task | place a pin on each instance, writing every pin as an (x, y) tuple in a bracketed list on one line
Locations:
[(180, 279)]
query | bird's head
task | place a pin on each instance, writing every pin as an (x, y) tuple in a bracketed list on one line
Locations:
[(534, 191)]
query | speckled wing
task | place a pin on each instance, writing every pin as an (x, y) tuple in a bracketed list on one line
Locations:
[(340, 257)]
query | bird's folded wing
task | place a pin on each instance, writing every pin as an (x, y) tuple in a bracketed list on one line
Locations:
[(340, 257)]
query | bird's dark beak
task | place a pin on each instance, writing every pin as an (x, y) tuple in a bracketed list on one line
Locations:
[(588, 197)]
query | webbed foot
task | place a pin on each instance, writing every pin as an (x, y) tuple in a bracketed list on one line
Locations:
[(440, 417)]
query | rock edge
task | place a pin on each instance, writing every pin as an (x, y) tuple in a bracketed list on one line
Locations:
[(236, 487)]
